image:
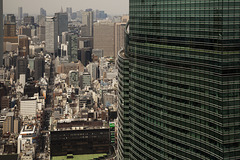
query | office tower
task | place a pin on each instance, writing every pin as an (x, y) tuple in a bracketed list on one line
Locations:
[(28, 107), (25, 30), (21, 67), (20, 13), (69, 12), (51, 34), (41, 33), (72, 47), (10, 26), (29, 20), (85, 80), (183, 81), (41, 20), (1, 32), (38, 68), (43, 12), (23, 45), (84, 42), (62, 19), (100, 15), (118, 37), (87, 21), (8, 124), (74, 78), (104, 37), (85, 55)]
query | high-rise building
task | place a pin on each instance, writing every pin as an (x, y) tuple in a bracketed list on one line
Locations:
[(10, 26), (43, 12), (23, 45), (74, 78), (62, 19), (38, 67), (1, 32), (28, 107), (87, 21), (21, 67), (85, 80), (69, 12), (51, 34), (72, 47), (104, 37), (85, 55), (184, 81), (8, 124), (20, 13), (29, 20), (25, 30)]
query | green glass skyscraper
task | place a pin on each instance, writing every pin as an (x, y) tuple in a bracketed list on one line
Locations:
[(183, 81)]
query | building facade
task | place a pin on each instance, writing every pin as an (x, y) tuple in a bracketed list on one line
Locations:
[(20, 13), (1, 32), (62, 19), (87, 21), (51, 34), (104, 37), (184, 80)]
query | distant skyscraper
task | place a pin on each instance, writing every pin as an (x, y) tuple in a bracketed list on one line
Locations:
[(1, 32), (20, 13), (69, 12), (87, 21), (62, 19), (51, 34), (104, 38), (43, 12), (179, 94)]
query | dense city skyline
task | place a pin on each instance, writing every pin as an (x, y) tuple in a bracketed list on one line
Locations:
[(113, 7)]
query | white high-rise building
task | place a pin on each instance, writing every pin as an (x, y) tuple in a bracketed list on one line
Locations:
[(51, 34), (28, 107)]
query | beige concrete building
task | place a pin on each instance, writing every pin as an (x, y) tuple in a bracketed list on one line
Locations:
[(104, 38)]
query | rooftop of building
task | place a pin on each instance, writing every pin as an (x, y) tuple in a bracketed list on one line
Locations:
[(28, 129)]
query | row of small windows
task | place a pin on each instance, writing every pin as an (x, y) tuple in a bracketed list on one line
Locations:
[(187, 87), (196, 32)]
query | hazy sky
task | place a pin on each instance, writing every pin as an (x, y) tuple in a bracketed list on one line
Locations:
[(52, 6)]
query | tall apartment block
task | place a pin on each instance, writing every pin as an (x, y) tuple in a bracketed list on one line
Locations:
[(1, 32), (184, 78), (51, 34)]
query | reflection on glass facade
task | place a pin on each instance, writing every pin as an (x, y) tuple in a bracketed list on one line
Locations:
[(184, 79)]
